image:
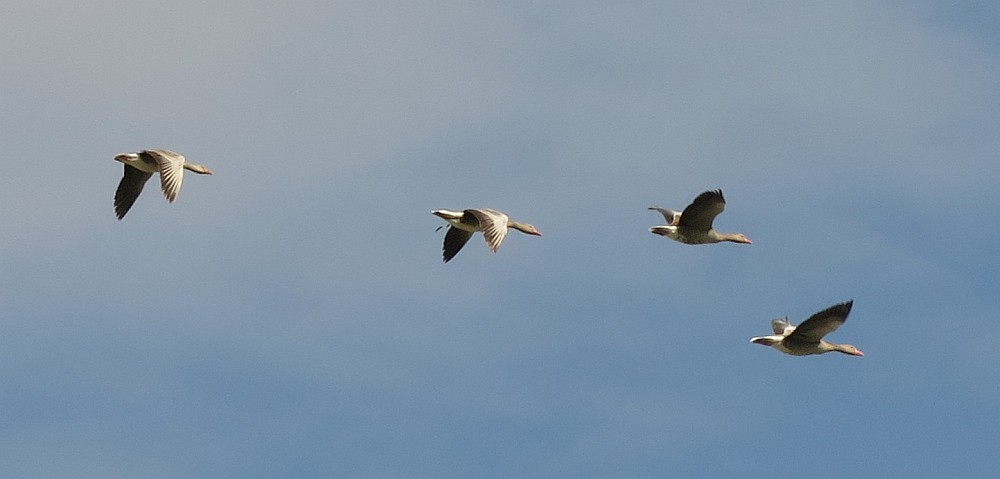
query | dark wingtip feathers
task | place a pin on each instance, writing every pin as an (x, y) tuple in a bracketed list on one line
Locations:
[(844, 308)]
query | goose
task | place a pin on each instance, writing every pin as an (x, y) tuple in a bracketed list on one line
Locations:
[(492, 223), (139, 167), (694, 225), (807, 338)]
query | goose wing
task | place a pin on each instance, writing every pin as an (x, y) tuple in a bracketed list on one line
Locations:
[(171, 165), (703, 210), (128, 189), (493, 223), (820, 324), (672, 217), (454, 240), (781, 326)]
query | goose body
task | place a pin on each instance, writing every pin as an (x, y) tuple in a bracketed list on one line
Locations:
[(139, 167), (492, 223), (807, 338), (694, 224)]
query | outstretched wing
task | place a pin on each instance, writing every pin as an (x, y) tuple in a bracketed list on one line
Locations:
[(494, 224), (703, 210), (781, 326), (128, 189), (822, 323), (171, 167), (672, 217), (454, 240)]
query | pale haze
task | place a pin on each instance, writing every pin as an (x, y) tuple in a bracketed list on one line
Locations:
[(290, 316)]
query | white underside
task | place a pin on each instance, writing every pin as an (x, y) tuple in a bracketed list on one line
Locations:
[(675, 234)]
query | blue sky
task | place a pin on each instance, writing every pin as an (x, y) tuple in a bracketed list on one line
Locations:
[(290, 316)]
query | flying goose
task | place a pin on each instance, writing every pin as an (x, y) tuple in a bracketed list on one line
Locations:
[(492, 223), (694, 225), (139, 167), (807, 338)]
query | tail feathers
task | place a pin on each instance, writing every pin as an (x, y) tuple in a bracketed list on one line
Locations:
[(765, 340)]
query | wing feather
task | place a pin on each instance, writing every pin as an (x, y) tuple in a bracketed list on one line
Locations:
[(171, 167), (672, 217), (454, 240), (702, 211), (128, 189), (781, 326), (494, 225), (822, 323)]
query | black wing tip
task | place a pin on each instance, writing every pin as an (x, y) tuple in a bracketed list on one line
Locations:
[(448, 254), (716, 193), (710, 196), (841, 309), (454, 241), (122, 206)]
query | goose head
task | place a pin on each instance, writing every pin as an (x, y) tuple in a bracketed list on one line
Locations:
[(848, 349), (739, 238), (525, 228), (200, 169)]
